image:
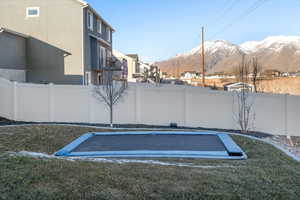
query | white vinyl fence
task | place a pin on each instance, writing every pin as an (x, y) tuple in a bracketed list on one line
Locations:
[(147, 104)]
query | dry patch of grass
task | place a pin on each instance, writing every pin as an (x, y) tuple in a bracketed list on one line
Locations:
[(267, 174), (282, 85)]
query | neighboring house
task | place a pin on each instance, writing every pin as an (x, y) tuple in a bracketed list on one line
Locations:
[(144, 67), (164, 75), (136, 62), (68, 42), (13, 60), (297, 74), (239, 86), (285, 74), (152, 75), (132, 64), (190, 75), (271, 73)]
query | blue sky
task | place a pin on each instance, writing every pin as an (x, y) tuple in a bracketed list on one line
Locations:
[(159, 29)]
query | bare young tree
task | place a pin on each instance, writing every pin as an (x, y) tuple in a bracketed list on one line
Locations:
[(245, 114), (256, 69), (110, 91), (242, 71)]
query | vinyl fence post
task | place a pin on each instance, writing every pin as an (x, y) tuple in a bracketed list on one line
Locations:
[(137, 105), (15, 102), (185, 106), (286, 115), (286, 120), (90, 103), (51, 103)]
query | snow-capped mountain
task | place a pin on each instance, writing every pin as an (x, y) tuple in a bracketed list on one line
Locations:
[(213, 47), (276, 52), (274, 43)]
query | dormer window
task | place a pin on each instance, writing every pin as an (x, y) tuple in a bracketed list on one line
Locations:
[(33, 12), (99, 26), (90, 17)]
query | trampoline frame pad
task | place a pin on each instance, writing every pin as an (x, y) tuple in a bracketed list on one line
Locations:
[(233, 151)]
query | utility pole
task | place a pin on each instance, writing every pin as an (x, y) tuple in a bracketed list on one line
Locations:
[(203, 59)]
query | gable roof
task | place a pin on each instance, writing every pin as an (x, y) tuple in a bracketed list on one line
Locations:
[(6, 30), (87, 5)]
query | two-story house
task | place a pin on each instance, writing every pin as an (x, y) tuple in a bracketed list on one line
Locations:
[(133, 64), (67, 41)]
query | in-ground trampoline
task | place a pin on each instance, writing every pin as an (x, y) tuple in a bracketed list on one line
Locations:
[(154, 144)]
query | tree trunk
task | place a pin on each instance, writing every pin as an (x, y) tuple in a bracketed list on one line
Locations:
[(255, 85)]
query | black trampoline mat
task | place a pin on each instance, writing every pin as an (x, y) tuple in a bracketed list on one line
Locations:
[(152, 143)]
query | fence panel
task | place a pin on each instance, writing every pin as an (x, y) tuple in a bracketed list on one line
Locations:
[(210, 109), (270, 113), (293, 115), (32, 102), (6, 101), (161, 105), (71, 103)]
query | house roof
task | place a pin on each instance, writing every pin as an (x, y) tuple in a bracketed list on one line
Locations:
[(120, 54), (85, 4), (236, 83), (82, 2), (133, 56), (6, 30)]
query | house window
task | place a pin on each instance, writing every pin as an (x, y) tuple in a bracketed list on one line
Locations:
[(90, 17), (108, 32), (33, 12), (102, 56), (99, 26)]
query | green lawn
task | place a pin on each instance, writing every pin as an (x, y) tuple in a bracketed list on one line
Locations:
[(267, 174)]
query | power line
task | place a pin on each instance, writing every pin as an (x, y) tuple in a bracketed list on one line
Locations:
[(223, 8), (221, 13), (247, 12), (226, 10)]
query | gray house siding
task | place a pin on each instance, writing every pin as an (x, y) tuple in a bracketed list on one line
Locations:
[(93, 51), (12, 51), (103, 33), (56, 44), (88, 34), (43, 68), (13, 60), (92, 39)]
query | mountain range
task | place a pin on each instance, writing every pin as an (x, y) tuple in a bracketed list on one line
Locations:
[(276, 52)]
